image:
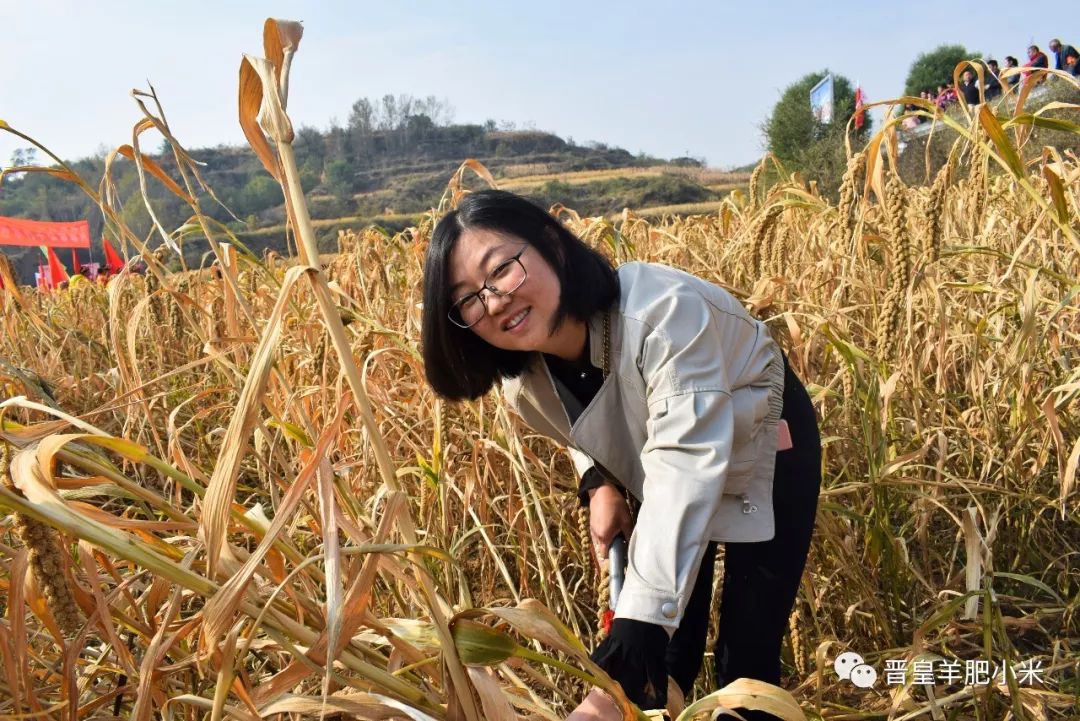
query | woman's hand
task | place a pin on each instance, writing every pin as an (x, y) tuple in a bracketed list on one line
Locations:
[(597, 706), (608, 517)]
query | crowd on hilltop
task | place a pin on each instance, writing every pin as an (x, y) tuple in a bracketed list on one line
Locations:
[(1066, 57)]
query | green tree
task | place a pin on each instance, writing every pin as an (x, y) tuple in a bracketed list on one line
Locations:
[(361, 125), (135, 216), (934, 68), (309, 146), (24, 156), (339, 178), (801, 143), (260, 193), (362, 116)]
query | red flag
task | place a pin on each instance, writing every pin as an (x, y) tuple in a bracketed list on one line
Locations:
[(76, 267), (860, 114), (113, 261), (57, 274), (19, 231)]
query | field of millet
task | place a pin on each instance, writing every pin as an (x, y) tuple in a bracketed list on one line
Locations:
[(215, 480)]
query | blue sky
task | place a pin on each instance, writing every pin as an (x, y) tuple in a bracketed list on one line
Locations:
[(664, 78)]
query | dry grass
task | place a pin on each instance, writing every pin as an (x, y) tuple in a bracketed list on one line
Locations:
[(708, 206), (705, 176), (323, 223), (518, 170), (149, 408)]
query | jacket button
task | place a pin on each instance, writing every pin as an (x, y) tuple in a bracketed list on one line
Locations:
[(670, 610)]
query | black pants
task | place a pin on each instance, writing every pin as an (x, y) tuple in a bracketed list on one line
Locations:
[(760, 579)]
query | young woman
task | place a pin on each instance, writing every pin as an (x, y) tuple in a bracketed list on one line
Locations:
[(662, 386)]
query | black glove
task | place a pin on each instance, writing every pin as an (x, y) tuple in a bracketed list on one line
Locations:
[(633, 655)]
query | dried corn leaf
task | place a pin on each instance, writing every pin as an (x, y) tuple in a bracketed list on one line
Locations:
[(222, 488), (749, 694), (251, 96)]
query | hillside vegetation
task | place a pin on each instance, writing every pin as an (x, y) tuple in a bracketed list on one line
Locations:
[(386, 173)]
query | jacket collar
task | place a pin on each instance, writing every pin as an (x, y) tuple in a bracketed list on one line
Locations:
[(537, 386)]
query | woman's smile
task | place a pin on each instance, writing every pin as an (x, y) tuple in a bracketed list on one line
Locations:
[(517, 322)]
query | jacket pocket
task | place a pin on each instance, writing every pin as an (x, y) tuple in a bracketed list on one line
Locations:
[(750, 405)]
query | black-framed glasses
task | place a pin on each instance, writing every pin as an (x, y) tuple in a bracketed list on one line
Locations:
[(503, 279)]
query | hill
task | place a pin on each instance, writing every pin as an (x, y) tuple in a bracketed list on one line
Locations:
[(362, 174)]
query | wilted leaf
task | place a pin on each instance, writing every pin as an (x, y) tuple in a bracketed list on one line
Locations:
[(749, 694), (40, 501), (1057, 194), (1001, 141), (293, 431), (272, 118), (362, 705), (492, 698), (279, 37), (535, 620), (156, 170), (251, 95), (221, 607), (222, 488)]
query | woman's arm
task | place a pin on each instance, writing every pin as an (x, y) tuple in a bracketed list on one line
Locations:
[(590, 481), (685, 458), (609, 515)]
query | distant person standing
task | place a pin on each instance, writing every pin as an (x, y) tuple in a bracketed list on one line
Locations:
[(1062, 53), (1011, 62), (1072, 64), (970, 89), (1036, 59), (993, 80), (945, 96), (910, 121)]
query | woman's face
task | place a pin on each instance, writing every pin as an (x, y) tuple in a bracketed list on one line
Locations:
[(518, 321)]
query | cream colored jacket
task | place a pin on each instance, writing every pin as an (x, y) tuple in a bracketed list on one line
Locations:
[(686, 422)]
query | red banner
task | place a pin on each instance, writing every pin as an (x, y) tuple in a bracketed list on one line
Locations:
[(17, 231)]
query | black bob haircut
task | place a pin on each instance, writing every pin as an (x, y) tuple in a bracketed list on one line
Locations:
[(457, 362)]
